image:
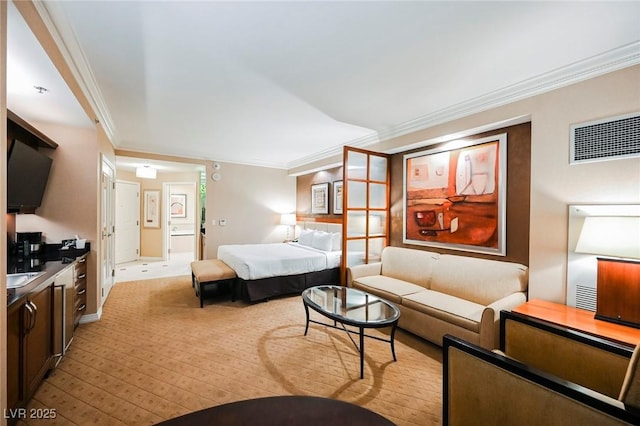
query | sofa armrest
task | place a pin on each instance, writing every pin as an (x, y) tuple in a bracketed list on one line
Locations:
[(507, 303), (490, 322), (366, 270)]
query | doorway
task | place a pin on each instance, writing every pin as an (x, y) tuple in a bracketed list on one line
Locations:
[(180, 208)]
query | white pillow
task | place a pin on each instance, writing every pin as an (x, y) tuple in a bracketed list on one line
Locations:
[(336, 241), (321, 241), (306, 237)]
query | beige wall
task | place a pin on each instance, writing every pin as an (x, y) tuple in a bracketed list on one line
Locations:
[(554, 183), (151, 238), (68, 206), (71, 200), (251, 199)]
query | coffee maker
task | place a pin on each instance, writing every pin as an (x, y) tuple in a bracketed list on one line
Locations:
[(30, 251), (29, 244)]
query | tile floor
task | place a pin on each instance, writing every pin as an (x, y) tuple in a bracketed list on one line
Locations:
[(178, 264)]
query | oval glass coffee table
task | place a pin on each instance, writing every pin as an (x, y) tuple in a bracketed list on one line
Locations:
[(352, 307)]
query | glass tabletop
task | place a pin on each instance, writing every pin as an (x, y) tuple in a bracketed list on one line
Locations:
[(351, 305)]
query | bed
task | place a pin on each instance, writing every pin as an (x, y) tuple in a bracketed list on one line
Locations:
[(275, 269)]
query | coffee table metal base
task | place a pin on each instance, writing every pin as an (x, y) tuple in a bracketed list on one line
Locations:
[(360, 333)]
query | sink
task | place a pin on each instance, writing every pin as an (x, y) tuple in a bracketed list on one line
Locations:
[(22, 279)]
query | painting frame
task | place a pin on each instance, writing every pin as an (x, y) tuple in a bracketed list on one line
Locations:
[(454, 196), (178, 205), (338, 195), (151, 209), (320, 198)]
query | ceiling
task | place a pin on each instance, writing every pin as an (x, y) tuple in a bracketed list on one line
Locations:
[(281, 84)]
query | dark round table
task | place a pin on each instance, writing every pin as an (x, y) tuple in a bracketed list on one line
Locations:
[(283, 410)]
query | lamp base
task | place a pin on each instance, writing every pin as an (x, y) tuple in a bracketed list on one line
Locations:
[(618, 291), (617, 321)]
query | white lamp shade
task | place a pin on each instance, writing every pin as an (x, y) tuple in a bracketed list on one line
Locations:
[(288, 219), (146, 172), (617, 236)]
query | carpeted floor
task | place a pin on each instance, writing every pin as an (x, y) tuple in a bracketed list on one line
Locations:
[(155, 355)]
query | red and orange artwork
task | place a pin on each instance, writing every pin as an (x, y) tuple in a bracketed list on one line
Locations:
[(454, 198)]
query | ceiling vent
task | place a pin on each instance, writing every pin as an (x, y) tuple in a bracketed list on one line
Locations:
[(608, 139)]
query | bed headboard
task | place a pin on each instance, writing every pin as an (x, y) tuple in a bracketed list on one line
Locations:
[(320, 226)]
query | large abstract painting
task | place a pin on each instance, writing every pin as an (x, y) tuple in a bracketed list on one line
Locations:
[(455, 196)]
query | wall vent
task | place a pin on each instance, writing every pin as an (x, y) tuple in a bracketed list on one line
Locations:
[(611, 138), (586, 298)]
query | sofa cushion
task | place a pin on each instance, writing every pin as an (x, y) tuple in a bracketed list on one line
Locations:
[(448, 308), (386, 287), (481, 281), (414, 266)]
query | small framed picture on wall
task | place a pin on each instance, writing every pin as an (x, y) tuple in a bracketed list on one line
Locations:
[(151, 209), (178, 205), (337, 197), (320, 198)]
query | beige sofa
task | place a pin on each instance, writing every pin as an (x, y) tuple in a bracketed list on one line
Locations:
[(444, 294)]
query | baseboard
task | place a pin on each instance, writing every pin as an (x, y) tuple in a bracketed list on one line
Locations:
[(91, 317)]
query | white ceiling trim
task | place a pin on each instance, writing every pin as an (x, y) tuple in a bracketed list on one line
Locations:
[(607, 62), (78, 64), (153, 150)]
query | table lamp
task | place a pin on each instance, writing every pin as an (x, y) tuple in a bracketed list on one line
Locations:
[(618, 281), (289, 219)]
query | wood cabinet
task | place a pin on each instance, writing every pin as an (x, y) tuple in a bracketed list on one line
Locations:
[(579, 320), (618, 291), (29, 344), (80, 303), (14, 355)]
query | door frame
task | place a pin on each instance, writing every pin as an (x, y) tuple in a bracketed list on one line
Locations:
[(365, 211), (107, 228)]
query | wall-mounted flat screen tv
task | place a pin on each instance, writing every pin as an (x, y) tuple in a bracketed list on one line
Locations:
[(27, 175)]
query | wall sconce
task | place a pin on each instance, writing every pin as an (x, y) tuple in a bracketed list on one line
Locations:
[(146, 172), (289, 219), (618, 282)]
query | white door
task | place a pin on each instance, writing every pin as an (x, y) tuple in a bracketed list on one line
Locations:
[(127, 221), (107, 228)]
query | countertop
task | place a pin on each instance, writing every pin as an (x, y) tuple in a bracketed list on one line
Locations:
[(52, 261), (50, 269)]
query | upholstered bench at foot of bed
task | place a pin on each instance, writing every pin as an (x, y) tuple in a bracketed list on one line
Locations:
[(210, 272)]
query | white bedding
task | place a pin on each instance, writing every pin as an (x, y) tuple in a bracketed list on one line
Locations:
[(255, 261)]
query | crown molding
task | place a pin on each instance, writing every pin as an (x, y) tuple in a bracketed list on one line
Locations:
[(65, 38), (613, 60)]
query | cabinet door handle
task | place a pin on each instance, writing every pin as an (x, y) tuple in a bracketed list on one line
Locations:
[(83, 291), (82, 307), (83, 260), (35, 315), (82, 276), (28, 318)]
